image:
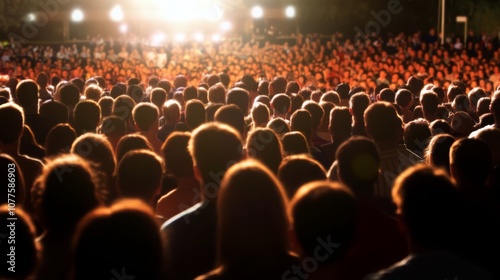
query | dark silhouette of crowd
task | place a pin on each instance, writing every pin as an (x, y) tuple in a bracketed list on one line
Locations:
[(372, 158)]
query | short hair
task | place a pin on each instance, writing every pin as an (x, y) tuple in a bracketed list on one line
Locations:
[(324, 211), (214, 148), (123, 106), (294, 143), (113, 126), (387, 95), (437, 153), (249, 81), (67, 192), (475, 95), (93, 92), (263, 88), (430, 102), (298, 170), (263, 145), (121, 233), (158, 97), (59, 140), (358, 103), (260, 114), (5, 92), (382, 122), (54, 111), (279, 126), (301, 121), (211, 109), (461, 103), (281, 103), (416, 85), (217, 94), (106, 105), (332, 97), (176, 155), (416, 135), (292, 87), (145, 116), (483, 106), (440, 126), (429, 204), (231, 115), (133, 81), (42, 79), (343, 90), (153, 81), (295, 102), (189, 93), (171, 110), (135, 92), (213, 79), (358, 164), (439, 92), (11, 130), (340, 121), (97, 149), (131, 142), (316, 112), (165, 85), (202, 95), (87, 115), (278, 85), (27, 93), (195, 113), (316, 95), (138, 175), (239, 97), (70, 95), (117, 90), (461, 124), (495, 107), (224, 79), (453, 92), (472, 160), (180, 81), (404, 98)]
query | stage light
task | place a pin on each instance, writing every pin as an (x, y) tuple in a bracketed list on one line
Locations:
[(158, 38), (257, 12), (216, 37), (116, 13), (31, 17), (226, 26), (77, 15), (199, 37), (290, 12), (180, 37), (123, 28)]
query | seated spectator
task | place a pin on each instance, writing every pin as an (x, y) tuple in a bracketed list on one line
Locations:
[(127, 239), (417, 135), (387, 95), (146, 123), (263, 145), (440, 126), (217, 94), (294, 143), (340, 130), (131, 142), (171, 117), (158, 97), (343, 90), (279, 126), (87, 115), (280, 104), (298, 170), (59, 140), (357, 106), (324, 219), (136, 93), (42, 81), (332, 97), (251, 193), (317, 114), (404, 99), (106, 105), (93, 92), (260, 115), (322, 130), (122, 108), (232, 116), (483, 106), (461, 125), (239, 97), (428, 207), (195, 114), (190, 93), (429, 102), (301, 121), (437, 153), (210, 111)]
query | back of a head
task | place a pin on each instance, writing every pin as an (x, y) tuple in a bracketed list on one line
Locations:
[(118, 90), (439, 91), (195, 113), (358, 104), (211, 109), (27, 93), (301, 121), (461, 103), (343, 91), (217, 94), (387, 95), (278, 85), (437, 153), (93, 92), (133, 81), (416, 135), (279, 126), (251, 206), (113, 127), (475, 94), (202, 95), (429, 101), (129, 143), (165, 85), (67, 192), (135, 92), (96, 148), (292, 87), (263, 145), (491, 136), (340, 122), (440, 126), (281, 103), (15, 186), (214, 148), (59, 140), (296, 101), (294, 143), (263, 88), (416, 85), (176, 155), (260, 115), (11, 130), (428, 203), (249, 81), (358, 165), (139, 174), (495, 107), (189, 93), (180, 81), (213, 79), (145, 116), (158, 97), (316, 112), (106, 105), (224, 79), (461, 124), (483, 106), (453, 92), (332, 97), (404, 98), (298, 170), (127, 238), (69, 95), (324, 212), (238, 97), (21, 262), (470, 163), (232, 116), (153, 81), (382, 123), (316, 95), (87, 116), (42, 79), (123, 107)]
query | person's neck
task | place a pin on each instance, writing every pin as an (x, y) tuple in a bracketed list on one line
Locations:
[(150, 134), (387, 146), (276, 115)]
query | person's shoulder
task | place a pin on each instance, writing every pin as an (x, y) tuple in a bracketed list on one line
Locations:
[(395, 272), (183, 219)]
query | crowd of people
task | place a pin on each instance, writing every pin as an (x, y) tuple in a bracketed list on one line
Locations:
[(375, 158)]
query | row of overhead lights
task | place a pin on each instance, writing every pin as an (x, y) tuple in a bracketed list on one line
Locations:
[(258, 12)]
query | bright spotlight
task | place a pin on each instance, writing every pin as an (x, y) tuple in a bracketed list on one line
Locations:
[(226, 26), (290, 12), (158, 38), (116, 13), (216, 37), (77, 15), (123, 28), (31, 17), (257, 12), (180, 37), (199, 37)]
